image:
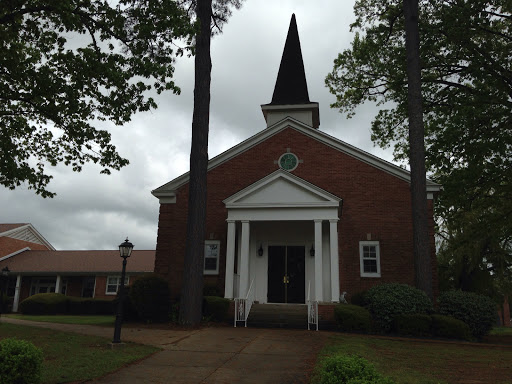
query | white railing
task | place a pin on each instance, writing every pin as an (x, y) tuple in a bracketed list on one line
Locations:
[(243, 306), (236, 285), (312, 309)]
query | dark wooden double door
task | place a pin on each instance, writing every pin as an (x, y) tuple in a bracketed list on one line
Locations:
[(286, 274)]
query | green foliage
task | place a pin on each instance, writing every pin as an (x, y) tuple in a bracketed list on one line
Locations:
[(352, 318), (5, 302), (216, 308), (413, 324), (151, 298), (466, 56), (89, 306), (450, 328), (389, 300), (68, 64), (341, 369), (359, 298), (477, 311), (20, 362), (44, 304)]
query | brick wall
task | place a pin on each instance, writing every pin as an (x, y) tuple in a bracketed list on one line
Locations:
[(374, 202)]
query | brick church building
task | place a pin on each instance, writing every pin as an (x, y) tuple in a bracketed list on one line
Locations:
[(293, 211)]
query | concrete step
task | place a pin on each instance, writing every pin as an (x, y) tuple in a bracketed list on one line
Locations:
[(278, 316)]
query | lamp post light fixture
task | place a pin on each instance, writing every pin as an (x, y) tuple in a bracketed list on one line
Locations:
[(5, 274), (125, 250)]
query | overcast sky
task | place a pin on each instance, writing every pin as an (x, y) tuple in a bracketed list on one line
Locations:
[(93, 211)]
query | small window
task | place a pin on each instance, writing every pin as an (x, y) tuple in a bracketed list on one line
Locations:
[(369, 253), (113, 283), (211, 257)]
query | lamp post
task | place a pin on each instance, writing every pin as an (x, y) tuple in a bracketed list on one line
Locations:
[(125, 250), (5, 274)]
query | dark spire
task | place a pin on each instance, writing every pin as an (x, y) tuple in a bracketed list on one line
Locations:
[(291, 86)]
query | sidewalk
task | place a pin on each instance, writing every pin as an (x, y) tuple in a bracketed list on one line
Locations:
[(212, 355)]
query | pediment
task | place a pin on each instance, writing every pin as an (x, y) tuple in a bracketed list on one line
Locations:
[(281, 189)]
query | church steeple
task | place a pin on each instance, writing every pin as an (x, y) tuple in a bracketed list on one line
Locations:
[(291, 97), (291, 86)]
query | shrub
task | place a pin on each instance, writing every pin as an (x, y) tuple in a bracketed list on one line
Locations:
[(20, 362), (352, 318), (450, 328), (339, 369), (216, 307), (359, 298), (5, 303), (129, 311), (413, 324), (477, 311), (44, 304), (151, 298), (386, 301), (90, 306)]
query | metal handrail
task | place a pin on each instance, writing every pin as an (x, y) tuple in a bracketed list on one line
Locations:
[(312, 309), (243, 306)]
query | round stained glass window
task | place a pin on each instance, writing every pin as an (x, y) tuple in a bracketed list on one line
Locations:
[(288, 161)]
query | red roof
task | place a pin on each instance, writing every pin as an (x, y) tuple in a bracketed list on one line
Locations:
[(78, 262)]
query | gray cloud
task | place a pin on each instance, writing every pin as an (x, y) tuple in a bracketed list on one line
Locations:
[(93, 211)]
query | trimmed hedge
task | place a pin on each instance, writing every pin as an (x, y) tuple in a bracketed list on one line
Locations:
[(386, 301), (216, 308), (57, 303), (352, 318), (339, 369), (44, 304), (151, 298), (413, 324), (20, 362), (450, 328), (90, 306), (477, 311)]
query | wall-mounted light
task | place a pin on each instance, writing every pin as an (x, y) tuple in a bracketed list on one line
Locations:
[(260, 250), (312, 251)]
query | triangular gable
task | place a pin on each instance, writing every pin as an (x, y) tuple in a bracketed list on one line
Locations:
[(26, 232), (281, 189), (168, 190)]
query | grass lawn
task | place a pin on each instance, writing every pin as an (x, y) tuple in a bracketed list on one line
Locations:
[(502, 331), (73, 357), (427, 362), (68, 319)]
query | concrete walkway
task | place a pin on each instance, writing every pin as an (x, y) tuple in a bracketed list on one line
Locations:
[(212, 355)]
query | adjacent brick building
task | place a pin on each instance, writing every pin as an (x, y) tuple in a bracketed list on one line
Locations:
[(36, 267), (294, 213)]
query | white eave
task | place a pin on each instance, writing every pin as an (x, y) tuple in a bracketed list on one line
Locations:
[(27, 227), (168, 190)]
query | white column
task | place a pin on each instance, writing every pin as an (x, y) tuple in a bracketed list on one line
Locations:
[(16, 301), (318, 261), (335, 271), (58, 284), (244, 260), (230, 260)]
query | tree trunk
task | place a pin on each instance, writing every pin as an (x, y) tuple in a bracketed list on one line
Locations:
[(192, 289), (422, 262)]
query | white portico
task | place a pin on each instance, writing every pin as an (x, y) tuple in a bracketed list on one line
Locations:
[(282, 235)]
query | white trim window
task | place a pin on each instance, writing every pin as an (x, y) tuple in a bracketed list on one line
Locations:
[(369, 255), (113, 283), (211, 257)]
